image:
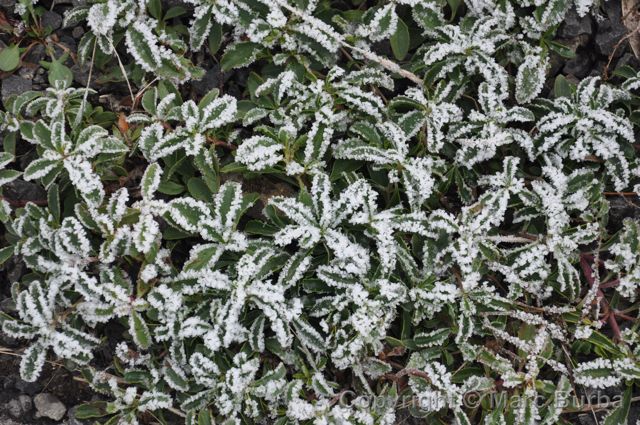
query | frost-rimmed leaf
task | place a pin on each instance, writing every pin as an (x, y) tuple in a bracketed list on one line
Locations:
[(530, 78), (32, 362), (239, 55)]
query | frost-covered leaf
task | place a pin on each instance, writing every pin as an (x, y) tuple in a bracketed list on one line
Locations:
[(530, 78)]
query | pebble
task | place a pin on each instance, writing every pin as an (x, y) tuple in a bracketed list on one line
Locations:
[(574, 25), (30, 388), (14, 85), (18, 407), (580, 66), (49, 406), (8, 306), (51, 20), (610, 30), (77, 32), (8, 4)]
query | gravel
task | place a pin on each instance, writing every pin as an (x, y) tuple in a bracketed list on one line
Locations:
[(610, 30), (49, 406), (51, 20), (20, 406), (14, 85)]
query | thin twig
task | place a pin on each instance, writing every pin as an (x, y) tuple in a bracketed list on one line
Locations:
[(605, 72), (384, 62), (86, 90), (124, 72)]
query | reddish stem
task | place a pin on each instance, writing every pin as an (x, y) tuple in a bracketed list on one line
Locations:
[(609, 317), (610, 284)]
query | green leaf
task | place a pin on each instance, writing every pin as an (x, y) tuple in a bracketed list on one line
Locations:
[(199, 30), (561, 49), (7, 176), (204, 256), (139, 330), (400, 40), (215, 38), (256, 335), (170, 188), (198, 189), (308, 336), (454, 5), (175, 378), (155, 8), (6, 253), (53, 201), (619, 415), (142, 47), (431, 339), (530, 78), (562, 87), (174, 12), (32, 361), (91, 409), (41, 167), (342, 166), (58, 71), (9, 58), (240, 55), (150, 181), (188, 213), (204, 417)]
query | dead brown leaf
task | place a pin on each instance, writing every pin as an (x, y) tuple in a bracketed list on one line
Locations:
[(631, 20)]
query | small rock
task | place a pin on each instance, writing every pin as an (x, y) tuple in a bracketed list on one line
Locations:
[(8, 4), (21, 190), (13, 408), (8, 341), (597, 69), (5, 420), (30, 388), (25, 402), (575, 25), (8, 306), (27, 73), (628, 59), (69, 42), (51, 20), (77, 32), (18, 407), (574, 43), (580, 66), (81, 75), (14, 85), (49, 406), (586, 419), (621, 207), (15, 270), (556, 62), (610, 30), (36, 54), (6, 383)]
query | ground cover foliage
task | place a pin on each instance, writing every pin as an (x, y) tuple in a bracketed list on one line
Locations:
[(391, 214)]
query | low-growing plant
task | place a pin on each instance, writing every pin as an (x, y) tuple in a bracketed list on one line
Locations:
[(394, 214)]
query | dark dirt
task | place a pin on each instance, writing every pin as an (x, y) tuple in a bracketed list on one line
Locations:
[(55, 380)]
